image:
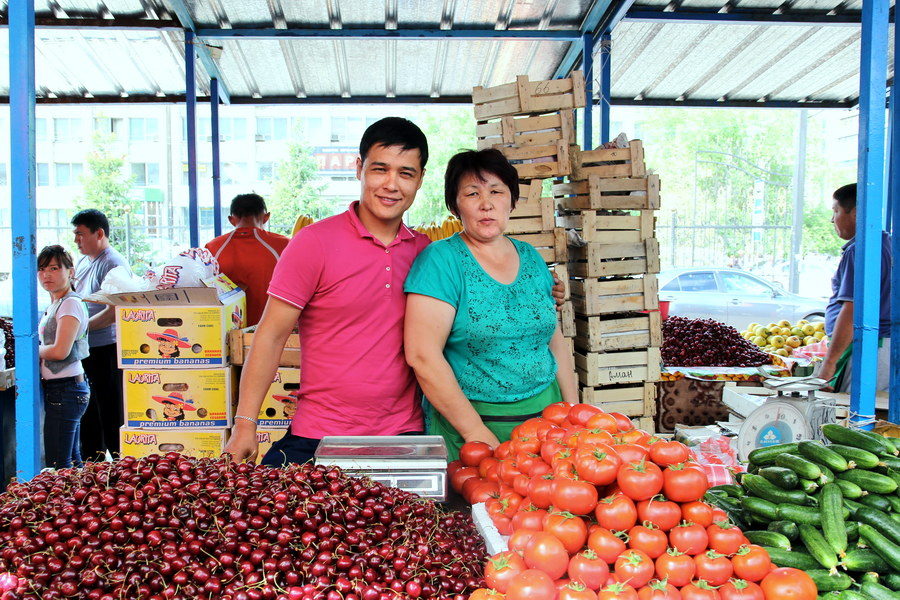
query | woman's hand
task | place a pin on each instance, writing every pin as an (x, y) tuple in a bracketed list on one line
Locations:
[(558, 291), (482, 434)]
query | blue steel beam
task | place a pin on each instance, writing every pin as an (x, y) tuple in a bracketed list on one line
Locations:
[(216, 180), (602, 17), (605, 86), (24, 243), (894, 202), (212, 69), (190, 92), (587, 67), (434, 34), (742, 17), (869, 203)]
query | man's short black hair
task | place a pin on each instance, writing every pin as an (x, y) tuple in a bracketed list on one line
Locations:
[(93, 219), (394, 131), (846, 196), (248, 205), (478, 162)]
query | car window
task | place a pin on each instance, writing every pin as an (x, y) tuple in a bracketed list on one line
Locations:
[(735, 283), (672, 286), (697, 281)]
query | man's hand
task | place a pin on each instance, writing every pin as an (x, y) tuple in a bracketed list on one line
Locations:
[(827, 373), (242, 445), (558, 291)]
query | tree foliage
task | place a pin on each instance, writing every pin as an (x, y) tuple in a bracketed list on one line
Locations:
[(297, 191)]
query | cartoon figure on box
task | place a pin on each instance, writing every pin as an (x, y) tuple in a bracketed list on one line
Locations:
[(237, 317), (289, 401), (169, 343), (174, 406)]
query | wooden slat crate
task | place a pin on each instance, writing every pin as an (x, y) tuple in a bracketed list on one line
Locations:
[(618, 331), (529, 97), (611, 227), (527, 131), (598, 193), (562, 273), (607, 260), (567, 319), (630, 399), (605, 368), (604, 296), (647, 424), (551, 245), (539, 162), (240, 340), (615, 162)]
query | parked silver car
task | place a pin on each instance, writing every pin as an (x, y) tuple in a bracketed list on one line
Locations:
[(734, 297)]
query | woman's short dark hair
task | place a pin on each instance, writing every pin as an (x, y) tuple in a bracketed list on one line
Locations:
[(478, 162), (62, 256)]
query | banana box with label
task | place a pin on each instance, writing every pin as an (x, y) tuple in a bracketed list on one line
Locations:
[(265, 437), (177, 328), (280, 403), (199, 398), (200, 443)]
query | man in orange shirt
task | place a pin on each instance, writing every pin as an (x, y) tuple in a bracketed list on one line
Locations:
[(249, 253)]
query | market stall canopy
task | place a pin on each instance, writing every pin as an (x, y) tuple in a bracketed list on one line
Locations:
[(695, 52)]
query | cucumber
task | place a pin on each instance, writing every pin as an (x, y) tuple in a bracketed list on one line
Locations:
[(876, 591), (863, 560), (729, 489), (799, 465), (762, 488), (891, 580), (852, 506), (885, 548), (809, 486), (788, 529), (852, 595), (880, 521), (876, 501), (759, 507), (869, 481), (822, 455), (868, 576), (766, 456), (768, 538), (817, 546), (783, 478), (827, 475), (889, 461), (849, 489), (852, 530), (894, 474), (808, 515), (865, 440), (826, 582), (833, 527), (894, 501), (894, 441), (793, 559), (856, 457)]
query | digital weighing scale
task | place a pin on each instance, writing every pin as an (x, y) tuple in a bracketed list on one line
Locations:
[(414, 463)]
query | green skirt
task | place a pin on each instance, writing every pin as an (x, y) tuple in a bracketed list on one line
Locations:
[(500, 418)]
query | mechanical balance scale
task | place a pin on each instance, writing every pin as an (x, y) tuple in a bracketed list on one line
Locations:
[(793, 413), (414, 463)]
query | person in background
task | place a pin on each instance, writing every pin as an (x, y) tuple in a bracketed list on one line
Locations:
[(62, 333), (249, 253), (481, 329), (839, 312), (105, 414)]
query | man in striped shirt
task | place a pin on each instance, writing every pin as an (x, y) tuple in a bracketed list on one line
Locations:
[(249, 253)]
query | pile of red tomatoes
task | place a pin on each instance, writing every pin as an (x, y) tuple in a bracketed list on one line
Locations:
[(595, 508)]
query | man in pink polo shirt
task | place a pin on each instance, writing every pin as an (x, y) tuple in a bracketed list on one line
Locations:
[(343, 279)]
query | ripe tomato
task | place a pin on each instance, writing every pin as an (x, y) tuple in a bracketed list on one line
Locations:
[(699, 590), (507, 471), (531, 445), (503, 450), (618, 591), (675, 567), (453, 466), (489, 466), (663, 513), (575, 590), (658, 590), (548, 554), (472, 453), (648, 538), (550, 449), (752, 562), (580, 414), (529, 517), (486, 594), (540, 490), (557, 412), (577, 497), (622, 421), (789, 584), (713, 567), (520, 538), (634, 568), (739, 589), (669, 453), (684, 484), (520, 484), (481, 491), (616, 512), (531, 584), (606, 544), (569, 529), (603, 421), (725, 538), (503, 568), (689, 538), (719, 514), (459, 477), (597, 465), (631, 452), (697, 512), (640, 480), (593, 437), (588, 568)]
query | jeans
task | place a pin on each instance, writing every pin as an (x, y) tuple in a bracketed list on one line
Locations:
[(65, 402), (105, 414), (295, 449)]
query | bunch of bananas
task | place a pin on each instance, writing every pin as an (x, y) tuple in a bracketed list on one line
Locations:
[(301, 222), (445, 229)]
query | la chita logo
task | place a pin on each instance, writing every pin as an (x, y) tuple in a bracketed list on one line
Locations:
[(143, 378), (277, 377), (140, 439), (141, 315)]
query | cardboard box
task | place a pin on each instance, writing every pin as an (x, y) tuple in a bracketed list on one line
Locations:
[(280, 403), (201, 443), (177, 328), (265, 437), (198, 398)]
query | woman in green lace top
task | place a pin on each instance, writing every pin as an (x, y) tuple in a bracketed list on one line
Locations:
[(481, 329)]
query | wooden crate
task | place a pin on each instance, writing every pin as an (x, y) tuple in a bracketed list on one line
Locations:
[(611, 227), (562, 273), (551, 245), (630, 399), (605, 368), (240, 340), (527, 131), (614, 162), (607, 260), (539, 162), (567, 319), (647, 424), (8, 378), (618, 331), (598, 193), (603, 296), (529, 97)]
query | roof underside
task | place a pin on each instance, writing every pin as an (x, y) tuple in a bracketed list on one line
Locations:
[(664, 52)]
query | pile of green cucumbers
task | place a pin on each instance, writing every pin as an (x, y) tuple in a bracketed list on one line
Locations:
[(830, 510)]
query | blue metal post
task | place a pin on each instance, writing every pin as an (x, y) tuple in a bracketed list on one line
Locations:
[(869, 204), (24, 243), (894, 203), (190, 91), (214, 130), (605, 86), (587, 67)]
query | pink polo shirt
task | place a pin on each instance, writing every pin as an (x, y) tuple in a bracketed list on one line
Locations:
[(354, 379)]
